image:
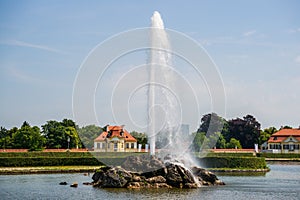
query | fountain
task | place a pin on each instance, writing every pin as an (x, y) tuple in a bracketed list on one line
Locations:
[(164, 111), (173, 165), (159, 62)]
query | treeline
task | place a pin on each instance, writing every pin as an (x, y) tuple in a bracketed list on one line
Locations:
[(214, 132), (52, 135), (217, 132), (55, 135)]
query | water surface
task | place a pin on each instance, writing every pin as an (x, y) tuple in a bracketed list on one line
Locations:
[(283, 182)]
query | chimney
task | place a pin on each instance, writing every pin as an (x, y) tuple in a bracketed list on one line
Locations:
[(122, 127)]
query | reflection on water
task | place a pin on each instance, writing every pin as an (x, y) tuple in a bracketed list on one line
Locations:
[(282, 182)]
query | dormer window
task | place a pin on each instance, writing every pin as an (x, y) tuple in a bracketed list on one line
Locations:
[(291, 139), (275, 138)]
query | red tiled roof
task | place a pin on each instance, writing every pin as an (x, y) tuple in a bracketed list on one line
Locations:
[(283, 134), (116, 132), (287, 132), (276, 139)]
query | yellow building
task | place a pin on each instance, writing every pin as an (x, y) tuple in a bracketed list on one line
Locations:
[(115, 139), (285, 141)]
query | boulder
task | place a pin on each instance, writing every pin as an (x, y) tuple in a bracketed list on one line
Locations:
[(206, 177), (156, 179), (113, 177), (170, 174), (75, 184)]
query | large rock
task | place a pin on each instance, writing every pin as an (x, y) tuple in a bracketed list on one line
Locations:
[(206, 177), (164, 175), (142, 163), (112, 177)]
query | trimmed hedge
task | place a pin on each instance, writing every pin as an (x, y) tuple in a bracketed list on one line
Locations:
[(39, 161), (279, 155), (211, 154), (233, 162), (30, 159), (67, 154)]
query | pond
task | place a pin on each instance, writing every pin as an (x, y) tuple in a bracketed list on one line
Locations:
[(282, 182)]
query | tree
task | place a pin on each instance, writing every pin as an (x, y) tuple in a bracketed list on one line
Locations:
[(200, 141), (57, 134), (212, 123), (234, 144), (88, 133), (246, 130), (5, 138), (28, 137), (68, 123), (215, 129), (266, 134), (140, 137), (221, 142), (285, 127)]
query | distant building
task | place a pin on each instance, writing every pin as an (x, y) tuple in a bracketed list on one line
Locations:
[(285, 141), (115, 139)]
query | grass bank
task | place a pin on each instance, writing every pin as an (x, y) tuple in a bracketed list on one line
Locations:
[(62, 161), (48, 170), (233, 162)]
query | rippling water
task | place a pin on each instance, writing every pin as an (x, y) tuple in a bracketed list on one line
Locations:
[(283, 182)]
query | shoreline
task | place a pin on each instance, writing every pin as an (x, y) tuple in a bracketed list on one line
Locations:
[(48, 170), (283, 159), (92, 169), (239, 170)]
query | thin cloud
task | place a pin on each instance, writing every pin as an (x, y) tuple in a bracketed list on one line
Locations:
[(30, 45), (296, 30), (28, 78), (297, 59), (249, 33), (235, 41)]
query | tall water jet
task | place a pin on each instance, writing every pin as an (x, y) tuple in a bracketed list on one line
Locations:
[(160, 80)]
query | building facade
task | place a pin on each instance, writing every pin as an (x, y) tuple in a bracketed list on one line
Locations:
[(285, 141), (115, 139)]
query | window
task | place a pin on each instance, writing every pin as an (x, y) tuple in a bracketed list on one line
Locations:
[(297, 146), (98, 145), (275, 138), (127, 145), (103, 145), (115, 146), (285, 146), (132, 145)]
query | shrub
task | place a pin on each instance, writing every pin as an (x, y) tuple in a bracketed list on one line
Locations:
[(233, 162)]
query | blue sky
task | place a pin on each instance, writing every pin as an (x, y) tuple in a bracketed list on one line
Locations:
[(255, 44)]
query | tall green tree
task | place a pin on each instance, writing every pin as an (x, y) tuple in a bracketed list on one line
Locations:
[(215, 129), (201, 141), (212, 123), (233, 143), (57, 134), (266, 134), (28, 137), (140, 137), (246, 130), (88, 133), (5, 138)]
